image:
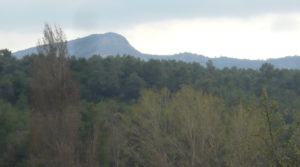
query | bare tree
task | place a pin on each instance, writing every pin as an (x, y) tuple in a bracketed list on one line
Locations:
[(55, 118), (183, 129)]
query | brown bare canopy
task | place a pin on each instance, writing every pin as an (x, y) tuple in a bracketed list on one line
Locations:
[(55, 119)]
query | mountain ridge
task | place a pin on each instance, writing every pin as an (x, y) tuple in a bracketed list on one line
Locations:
[(111, 43)]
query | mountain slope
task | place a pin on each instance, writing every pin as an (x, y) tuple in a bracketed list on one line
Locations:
[(103, 44)]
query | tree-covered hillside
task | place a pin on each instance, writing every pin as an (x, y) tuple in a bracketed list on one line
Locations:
[(122, 77), (133, 112)]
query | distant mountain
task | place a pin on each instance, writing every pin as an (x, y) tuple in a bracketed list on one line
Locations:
[(115, 44), (103, 44)]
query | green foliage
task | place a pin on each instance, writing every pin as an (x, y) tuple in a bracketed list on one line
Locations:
[(191, 128), (122, 77), (165, 113), (13, 135), (12, 77)]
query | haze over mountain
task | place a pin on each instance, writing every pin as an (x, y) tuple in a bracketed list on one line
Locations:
[(115, 44)]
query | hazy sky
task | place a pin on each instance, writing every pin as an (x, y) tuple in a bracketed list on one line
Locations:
[(253, 29)]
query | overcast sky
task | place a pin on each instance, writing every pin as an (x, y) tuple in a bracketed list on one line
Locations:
[(253, 29)]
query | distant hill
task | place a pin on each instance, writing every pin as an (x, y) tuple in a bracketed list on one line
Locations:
[(103, 44), (115, 44)]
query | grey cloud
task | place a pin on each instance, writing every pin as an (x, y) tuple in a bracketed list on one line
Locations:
[(124, 13)]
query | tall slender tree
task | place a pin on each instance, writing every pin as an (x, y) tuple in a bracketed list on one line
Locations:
[(54, 98)]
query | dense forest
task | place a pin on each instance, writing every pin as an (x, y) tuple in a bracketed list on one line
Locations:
[(120, 111)]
